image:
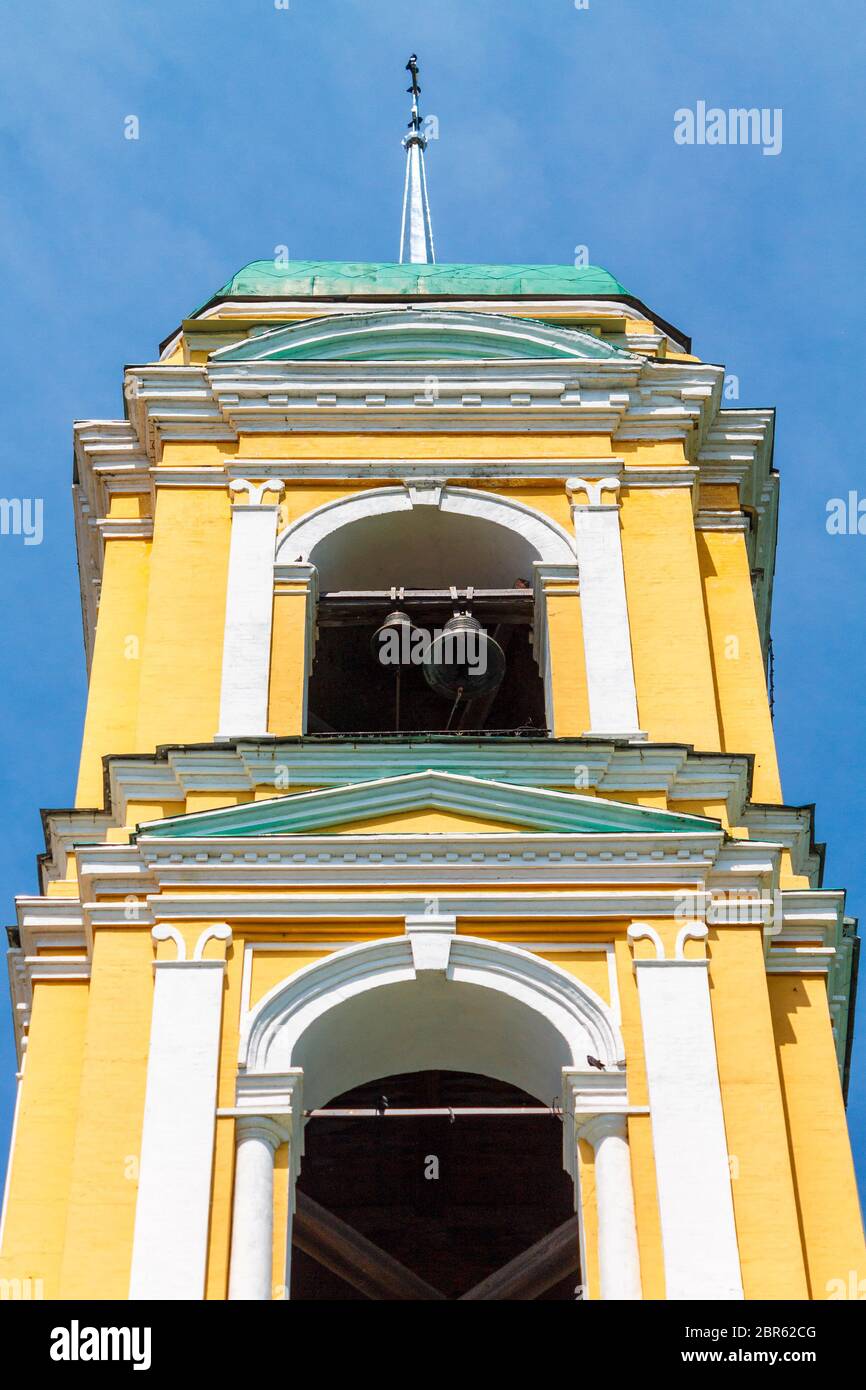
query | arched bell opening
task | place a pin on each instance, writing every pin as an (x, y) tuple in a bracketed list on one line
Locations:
[(459, 573), (434, 1013), (440, 1184)]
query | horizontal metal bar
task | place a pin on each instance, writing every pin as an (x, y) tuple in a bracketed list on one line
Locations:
[(443, 1111), (502, 605), (398, 595)]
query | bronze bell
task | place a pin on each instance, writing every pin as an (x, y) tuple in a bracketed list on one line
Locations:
[(391, 643), (464, 660)]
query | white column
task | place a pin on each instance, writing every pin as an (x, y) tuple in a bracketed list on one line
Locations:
[(618, 1258), (699, 1236), (251, 1272), (268, 1113), (169, 1251), (249, 612), (604, 611)]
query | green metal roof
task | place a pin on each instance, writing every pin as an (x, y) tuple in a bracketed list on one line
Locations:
[(268, 279)]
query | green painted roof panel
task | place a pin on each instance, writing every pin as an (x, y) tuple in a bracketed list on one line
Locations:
[(270, 279)]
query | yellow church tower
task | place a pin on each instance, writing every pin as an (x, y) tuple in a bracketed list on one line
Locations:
[(430, 922)]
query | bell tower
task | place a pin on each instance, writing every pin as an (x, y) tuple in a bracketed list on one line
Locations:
[(430, 922)]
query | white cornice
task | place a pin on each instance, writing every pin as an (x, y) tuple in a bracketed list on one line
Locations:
[(442, 469), (276, 907), (678, 771), (123, 528), (720, 519), (738, 449), (572, 764), (278, 767), (790, 826), (55, 924), (811, 939), (356, 858), (109, 459), (634, 399)]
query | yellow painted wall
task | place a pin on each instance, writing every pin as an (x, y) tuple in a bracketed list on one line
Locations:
[(279, 1268), (741, 688), (568, 687), (401, 445), (765, 1207), (98, 1239), (590, 1275), (827, 1199), (182, 656), (287, 690), (41, 1162), (426, 822), (112, 708), (643, 1172), (670, 647)]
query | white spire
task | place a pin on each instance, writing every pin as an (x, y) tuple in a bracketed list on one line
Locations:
[(415, 200)]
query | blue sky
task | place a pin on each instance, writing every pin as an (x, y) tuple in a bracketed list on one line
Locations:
[(262, 127)]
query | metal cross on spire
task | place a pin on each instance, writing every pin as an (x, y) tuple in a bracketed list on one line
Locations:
[(416, 230)]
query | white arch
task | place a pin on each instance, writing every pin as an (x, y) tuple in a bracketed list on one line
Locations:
[(474, 1005), (551, 541)]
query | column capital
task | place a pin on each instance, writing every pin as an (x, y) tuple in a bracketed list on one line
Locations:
[(255, 492), (271, 1096), (594, 1128), (689, 931), (217, 931), (594, 1092), (261, 1127), (593, 487)]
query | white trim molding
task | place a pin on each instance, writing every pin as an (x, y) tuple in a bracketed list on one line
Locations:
[(550, 541), (172, 1214), (604, 610), (699, 1236), (246, 665)]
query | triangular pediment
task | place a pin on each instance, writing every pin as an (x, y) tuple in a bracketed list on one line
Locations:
[(415, 335), (367, 805)]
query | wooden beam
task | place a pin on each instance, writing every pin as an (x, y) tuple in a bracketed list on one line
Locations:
[(348, 1254), (535, 1271)]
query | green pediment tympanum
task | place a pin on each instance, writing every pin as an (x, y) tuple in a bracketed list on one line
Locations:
[(416, 335), (531, 809)]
